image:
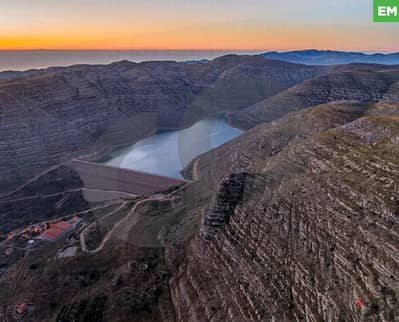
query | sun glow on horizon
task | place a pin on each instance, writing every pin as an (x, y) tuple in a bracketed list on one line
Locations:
[(179, 25)]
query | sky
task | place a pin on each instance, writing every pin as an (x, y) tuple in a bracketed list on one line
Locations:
[(194, 24)]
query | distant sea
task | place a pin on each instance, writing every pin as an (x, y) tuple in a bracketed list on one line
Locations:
[(30, 59)]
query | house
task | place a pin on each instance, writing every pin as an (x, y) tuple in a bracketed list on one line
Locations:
[(59, 229)]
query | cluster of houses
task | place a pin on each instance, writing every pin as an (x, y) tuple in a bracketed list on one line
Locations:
[(59, 229), (49, 231)]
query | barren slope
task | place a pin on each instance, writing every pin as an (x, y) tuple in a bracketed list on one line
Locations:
[(55, 114), (314, 234), (360, 85)]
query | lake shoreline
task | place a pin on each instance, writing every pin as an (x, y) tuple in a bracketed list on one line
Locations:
[(168, 152)]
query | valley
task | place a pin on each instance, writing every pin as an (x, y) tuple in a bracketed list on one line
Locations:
[(294, 219)]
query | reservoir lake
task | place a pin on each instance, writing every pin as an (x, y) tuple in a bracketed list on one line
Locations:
[(168, 152)]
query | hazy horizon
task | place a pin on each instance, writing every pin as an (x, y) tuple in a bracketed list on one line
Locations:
[(207, 25), (205, 50), (21, 60)]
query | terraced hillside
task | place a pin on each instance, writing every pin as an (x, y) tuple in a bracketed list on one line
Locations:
[(315, 232), (296, 219), (49, 116), (53, 115), (361, 85)]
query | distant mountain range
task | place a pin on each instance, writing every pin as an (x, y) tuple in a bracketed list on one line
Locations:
[(332, 57)]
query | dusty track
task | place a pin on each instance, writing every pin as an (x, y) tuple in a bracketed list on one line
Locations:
[(123, 220), (83, 233), (62, 193), (2, 196), (110, 233)]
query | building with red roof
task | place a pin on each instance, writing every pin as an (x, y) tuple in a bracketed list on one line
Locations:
[(59, 229)]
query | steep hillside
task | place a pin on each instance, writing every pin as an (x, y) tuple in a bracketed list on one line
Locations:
[(52, 115), (313, 234), (244, 80), (360, 85), (269, 139), (55, 194), (331, 57), (297, 219)]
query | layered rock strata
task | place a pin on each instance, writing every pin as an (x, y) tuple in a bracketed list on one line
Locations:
[(50, 116), (315, 237), (360, 85)]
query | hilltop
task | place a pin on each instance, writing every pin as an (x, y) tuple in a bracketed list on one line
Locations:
[(332, 57), (365, 83)]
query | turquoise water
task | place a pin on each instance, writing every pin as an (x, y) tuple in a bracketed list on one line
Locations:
[(167, 153)]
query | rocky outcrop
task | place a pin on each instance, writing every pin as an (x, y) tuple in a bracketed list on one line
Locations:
[(52, 115), (363, 85), (226, 200), (315, 237), (269, 139), (245, 80), (49, 116), (297, 219), (392, 94), (302, 224)]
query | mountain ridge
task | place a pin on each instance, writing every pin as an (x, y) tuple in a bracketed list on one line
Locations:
[(332, 57), (88, 110), (296, 219)]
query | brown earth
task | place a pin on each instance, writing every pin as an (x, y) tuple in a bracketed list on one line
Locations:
[(296, 219)]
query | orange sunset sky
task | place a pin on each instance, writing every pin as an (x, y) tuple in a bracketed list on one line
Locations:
[(188, 24)]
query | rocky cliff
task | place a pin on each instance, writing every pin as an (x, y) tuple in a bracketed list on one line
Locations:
[(52, 115), (224, 204), (361, 85), (47, 116), (315, 236), (268, 140), (297, 219)]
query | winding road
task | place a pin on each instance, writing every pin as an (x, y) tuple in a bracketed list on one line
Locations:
[(122, 221)]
